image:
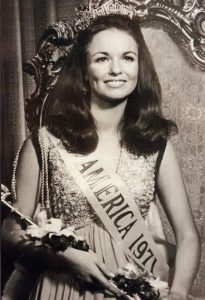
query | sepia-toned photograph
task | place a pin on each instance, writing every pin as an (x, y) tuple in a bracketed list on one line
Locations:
[(103, 150)]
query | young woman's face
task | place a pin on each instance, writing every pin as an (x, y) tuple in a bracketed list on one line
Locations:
[(112, 65)]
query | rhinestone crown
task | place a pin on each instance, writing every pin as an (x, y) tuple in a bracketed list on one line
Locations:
[(87, 13)]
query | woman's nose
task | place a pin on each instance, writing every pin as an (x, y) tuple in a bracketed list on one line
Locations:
[(115, 67)]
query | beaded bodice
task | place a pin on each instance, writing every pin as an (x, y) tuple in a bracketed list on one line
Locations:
[(68, 202)]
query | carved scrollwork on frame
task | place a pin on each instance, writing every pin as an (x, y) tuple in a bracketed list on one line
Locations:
[(53, 47), (186, 23)]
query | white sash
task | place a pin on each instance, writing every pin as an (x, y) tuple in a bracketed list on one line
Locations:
[(116, 208)]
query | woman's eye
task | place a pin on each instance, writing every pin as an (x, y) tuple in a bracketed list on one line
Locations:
[(101, 59), (128, 58)]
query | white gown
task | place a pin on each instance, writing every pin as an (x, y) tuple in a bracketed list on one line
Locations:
[(68, 203)]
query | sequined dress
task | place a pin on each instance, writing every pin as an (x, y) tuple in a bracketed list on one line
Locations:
[(68, 203)]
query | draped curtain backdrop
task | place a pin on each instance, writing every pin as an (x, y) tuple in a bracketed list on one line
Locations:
[(183, 88)]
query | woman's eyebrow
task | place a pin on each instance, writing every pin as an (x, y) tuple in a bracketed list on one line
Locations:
[(100, 52), (106, 53), (130, 52)]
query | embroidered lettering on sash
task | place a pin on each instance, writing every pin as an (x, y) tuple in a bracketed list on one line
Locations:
[(114, 200), (92, 178)]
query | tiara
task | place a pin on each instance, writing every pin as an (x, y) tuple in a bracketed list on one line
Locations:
[(87, 13)]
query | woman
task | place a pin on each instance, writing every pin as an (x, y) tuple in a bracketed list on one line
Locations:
[(106, 104)]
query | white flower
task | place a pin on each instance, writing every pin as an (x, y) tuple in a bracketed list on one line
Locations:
[(52, 225), (129, 271), (34, 231)]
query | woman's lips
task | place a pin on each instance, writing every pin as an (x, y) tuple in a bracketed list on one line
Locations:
[(115, 82)]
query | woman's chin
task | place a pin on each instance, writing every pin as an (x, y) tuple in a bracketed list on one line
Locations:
[(113, 100)]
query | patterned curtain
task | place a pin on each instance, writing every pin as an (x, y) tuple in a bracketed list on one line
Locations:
[(23, 22)]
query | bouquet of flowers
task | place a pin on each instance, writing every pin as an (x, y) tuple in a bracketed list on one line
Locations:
[(138, 286), (53, 234)]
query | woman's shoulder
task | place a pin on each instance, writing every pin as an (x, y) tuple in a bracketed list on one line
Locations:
[(47, 137), (169, 161), (38, 141), (165, 148), (169, 155), (169, 146)]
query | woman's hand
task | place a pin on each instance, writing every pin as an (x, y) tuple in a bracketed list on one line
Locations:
[(89, 270)]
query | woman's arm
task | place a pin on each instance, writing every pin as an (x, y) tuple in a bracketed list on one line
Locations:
[(85, 265), (27, 186), (175, 202)]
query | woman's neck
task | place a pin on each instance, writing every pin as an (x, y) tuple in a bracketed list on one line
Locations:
[(108, 117)]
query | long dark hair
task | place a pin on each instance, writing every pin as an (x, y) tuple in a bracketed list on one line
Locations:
[(69, 118)]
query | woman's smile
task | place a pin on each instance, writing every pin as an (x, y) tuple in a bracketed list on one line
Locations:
[(115, 83)]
